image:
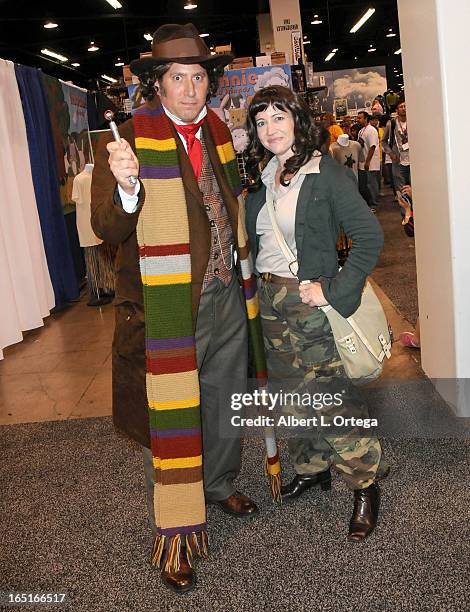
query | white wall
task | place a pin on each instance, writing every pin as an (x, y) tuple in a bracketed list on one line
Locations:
[(436, 67)]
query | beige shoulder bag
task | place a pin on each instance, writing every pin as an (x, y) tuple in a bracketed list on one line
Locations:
[(364, 339)]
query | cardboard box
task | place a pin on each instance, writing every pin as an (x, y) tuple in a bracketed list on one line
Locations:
[(242, 62), (263, 60), (129, 78), (220, 50), (278, 57)]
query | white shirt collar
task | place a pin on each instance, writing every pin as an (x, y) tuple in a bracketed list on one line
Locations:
[(178, 121), (311, 167)]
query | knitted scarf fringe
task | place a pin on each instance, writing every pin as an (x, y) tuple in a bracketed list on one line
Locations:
[(273, 473), (196, 544)]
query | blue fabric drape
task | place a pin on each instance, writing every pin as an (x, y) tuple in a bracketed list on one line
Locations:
[(46, 185), (92, 111)]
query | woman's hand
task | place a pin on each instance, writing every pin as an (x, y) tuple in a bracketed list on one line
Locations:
[(312, 294)]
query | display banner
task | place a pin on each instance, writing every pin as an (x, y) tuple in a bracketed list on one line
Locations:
[(297, 47), (352, 90), (237, 88), (135, 97), (285, 17), (68, 110)]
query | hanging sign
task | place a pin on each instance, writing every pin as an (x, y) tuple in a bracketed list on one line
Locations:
[(285, 16)]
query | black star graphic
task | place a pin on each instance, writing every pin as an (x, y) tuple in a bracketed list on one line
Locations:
[(349, 161)]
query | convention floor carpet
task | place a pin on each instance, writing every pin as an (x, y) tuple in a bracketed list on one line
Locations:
[(74, 520)]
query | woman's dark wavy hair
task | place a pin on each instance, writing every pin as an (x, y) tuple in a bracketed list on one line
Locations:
[(149, 79), (308, 137)]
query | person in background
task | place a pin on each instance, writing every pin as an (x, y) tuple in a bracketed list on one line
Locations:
[(375, 122), (391, 100), (345, 125), (330, 123), (378, 105), (354, 131), (395, 143), (369, 167), (405, 200), (313, 197)]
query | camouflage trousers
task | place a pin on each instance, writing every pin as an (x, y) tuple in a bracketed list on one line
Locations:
[(302, 358)]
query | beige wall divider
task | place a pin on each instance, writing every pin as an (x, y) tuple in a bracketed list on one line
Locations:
[(436, 67)]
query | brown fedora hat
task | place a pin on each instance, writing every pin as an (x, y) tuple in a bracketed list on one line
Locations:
[(181, 44)]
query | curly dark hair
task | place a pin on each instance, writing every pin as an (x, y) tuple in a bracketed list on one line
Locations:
[(149, 79), (308, 137)]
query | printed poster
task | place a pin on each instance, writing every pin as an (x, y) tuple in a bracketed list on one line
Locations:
[(236, 90), (69, 117), (358, 86)]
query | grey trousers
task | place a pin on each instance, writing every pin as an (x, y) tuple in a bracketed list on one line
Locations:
[(222, 360), (401, 176), (369, 186)]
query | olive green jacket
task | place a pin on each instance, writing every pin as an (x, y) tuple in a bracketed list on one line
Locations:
[(328, 200)]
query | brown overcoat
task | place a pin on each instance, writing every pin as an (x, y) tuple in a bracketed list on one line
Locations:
[(111, 223)]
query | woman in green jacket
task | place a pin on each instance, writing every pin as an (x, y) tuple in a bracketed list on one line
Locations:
[(313, 196)]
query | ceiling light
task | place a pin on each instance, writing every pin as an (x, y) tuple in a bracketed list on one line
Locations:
[(329, 56), (119, 62), (75, 64), (55, 55), (205, 35), (50, 25), (190, 5), (398, 52), (108, 78), (391, 33), (316, 21), (362, 20), (93, 47), (114, 3), (148, 37)]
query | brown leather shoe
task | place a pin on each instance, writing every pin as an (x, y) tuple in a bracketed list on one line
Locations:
[(365, 513), (238, 505), (184, 579)]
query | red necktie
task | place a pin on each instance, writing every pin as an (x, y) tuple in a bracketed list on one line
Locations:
[(189, 132)]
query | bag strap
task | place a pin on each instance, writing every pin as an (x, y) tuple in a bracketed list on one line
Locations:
[(287, 252), (391, 137)]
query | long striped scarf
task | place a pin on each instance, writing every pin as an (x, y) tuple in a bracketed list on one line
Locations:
[(172, 377)]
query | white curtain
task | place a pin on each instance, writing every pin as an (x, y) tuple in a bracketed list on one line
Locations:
[(26, 294)]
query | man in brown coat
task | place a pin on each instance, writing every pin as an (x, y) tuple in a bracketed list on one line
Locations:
[(182, 71)]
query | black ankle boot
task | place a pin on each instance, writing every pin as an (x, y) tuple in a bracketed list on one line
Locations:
[(365, 513), (303, 482)]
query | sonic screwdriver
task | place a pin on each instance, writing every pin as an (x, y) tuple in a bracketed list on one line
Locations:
[(109, 116)]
